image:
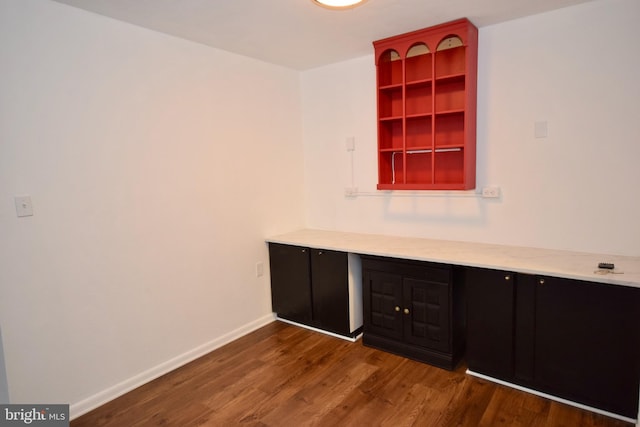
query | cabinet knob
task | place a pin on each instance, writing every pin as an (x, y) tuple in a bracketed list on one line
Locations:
[(507, 277), (406, 311), (319, 252), (397, 308), (304, 250), (541, 281)]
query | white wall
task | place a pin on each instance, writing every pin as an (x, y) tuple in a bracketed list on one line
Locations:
[(4, 387), (156, 167), (576, 68)]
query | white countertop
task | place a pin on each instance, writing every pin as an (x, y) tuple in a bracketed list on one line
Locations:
[(571, 265)]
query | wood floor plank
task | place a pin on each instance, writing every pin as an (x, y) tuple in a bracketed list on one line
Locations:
[(312, 403), (282, 375), (468, 401), (522, 409)]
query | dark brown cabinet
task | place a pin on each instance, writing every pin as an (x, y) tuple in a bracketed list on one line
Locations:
[(568, 338), (330, 290), (409, 309), (587, 343), (290, 282), (311, 287), (490, 322)]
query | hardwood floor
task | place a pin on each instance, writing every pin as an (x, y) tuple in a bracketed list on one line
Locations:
[(282, 375)]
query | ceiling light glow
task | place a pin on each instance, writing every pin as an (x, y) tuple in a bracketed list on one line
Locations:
[(338, 4)]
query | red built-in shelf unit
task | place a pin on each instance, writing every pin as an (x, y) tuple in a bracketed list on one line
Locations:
[(426, 83)]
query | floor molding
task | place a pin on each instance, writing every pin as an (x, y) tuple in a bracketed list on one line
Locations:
[(322, 331), (82, 407), (552, 397)]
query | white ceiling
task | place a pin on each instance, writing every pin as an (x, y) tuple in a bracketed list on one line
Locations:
[(297, 33)]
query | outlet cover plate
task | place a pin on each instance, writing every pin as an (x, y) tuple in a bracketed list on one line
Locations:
[(491, 192), (24, 207)]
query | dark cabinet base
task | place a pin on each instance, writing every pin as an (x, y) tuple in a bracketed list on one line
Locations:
[(442, 360), (576, 340), (414, 309), (316, 288)]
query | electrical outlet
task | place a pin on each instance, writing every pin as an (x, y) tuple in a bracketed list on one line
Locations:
[(540, 129), (491, 192), (24, 207), (259, 269), (351, 191)]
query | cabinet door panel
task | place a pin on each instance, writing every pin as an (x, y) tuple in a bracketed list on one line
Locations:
[(588, 343), (290, 282), (330, 290), (490, 302), (382, 294), (426, 319)]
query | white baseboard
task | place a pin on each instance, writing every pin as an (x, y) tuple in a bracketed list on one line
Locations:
[(79, 408), (322, 331), (552, 397)]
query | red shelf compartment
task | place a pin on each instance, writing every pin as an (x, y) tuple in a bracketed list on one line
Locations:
[(450, 95), (418, 67), (449, 129), (390, 135), (389, 68), (450, 62), (419, 98), (390, 102)]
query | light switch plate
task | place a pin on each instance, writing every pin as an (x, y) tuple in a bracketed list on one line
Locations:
[(24, 207), (350, 143), (540, 129)]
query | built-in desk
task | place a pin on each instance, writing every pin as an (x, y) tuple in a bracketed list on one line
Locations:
[(564, 264), (485, 264)]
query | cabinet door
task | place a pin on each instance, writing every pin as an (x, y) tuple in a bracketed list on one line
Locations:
[(588, 343), (290, 282), (382, 293), (426, 314), (490, 326), (330, 290)]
